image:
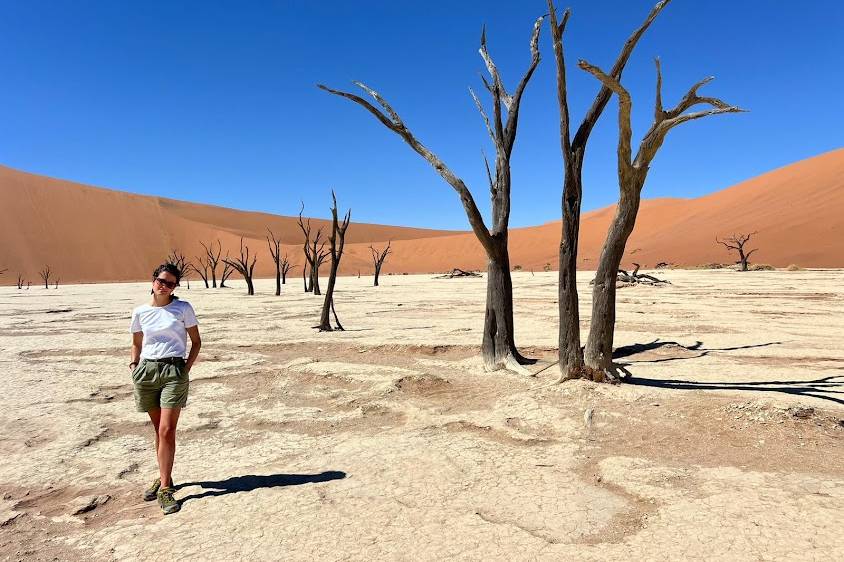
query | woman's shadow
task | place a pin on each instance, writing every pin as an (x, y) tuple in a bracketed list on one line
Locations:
[(250, 482)]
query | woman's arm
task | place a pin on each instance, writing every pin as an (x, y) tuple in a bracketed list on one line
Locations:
[(195, 344), (137, 343)]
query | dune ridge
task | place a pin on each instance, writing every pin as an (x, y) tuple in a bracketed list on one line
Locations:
[(92, 234)]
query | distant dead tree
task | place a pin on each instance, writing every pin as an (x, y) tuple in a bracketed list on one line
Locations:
[(275, 252), (243, 266), (736, 242), (632, 172), (378, 257), (282, 263), (286, 266), (45, 276), (315, 253), (213, 259), (20, 281), (181, 262), (57, 284), (337, 231), (201, 268), (227, 271), (2, 271), (498, 346), (574, 150)]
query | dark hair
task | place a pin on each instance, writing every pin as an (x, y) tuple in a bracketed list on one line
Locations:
[(170, 268), (173, 270)]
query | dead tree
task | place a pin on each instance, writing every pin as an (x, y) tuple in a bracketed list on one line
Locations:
[(213, 259), (315, 253), (736, 242), (227, 271), (337, 231), (181, 262), (201, 268), (20, 281), (632, 173), (275, 251), (2, 271), (457, 272), (56, 285), (574, 150), (243, 266), (286, 266), (498, 346), (378, 257), (45, 276)]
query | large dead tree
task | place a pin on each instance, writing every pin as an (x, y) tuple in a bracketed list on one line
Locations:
[(243, 266), (213, 258), (337, 231), (736, 242), (574, 150), (378, 257), (45, 276), (632, 172), (498, 346)]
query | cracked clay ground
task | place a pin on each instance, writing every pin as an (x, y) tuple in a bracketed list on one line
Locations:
[(389, 442)]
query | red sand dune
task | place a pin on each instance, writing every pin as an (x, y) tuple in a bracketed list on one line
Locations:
[(93, 234)]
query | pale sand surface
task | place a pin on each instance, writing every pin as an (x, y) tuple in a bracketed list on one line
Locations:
[(389, 442)]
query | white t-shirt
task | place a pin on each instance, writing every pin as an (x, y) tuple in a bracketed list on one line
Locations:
[(164, 328)]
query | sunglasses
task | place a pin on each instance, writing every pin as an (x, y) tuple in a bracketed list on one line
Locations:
[(166, 283)]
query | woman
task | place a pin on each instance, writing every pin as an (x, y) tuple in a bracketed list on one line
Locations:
[(160, 371)]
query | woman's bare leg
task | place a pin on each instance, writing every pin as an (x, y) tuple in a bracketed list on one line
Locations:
[(155, 417), (167, 443)]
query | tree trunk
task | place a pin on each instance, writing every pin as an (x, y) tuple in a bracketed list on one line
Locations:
[(743, 259), (324, 320), (598, 354), (250, 288), (571, 354), (377, 273), (315, 280), (498, 346), (277, 280), (304, 278)]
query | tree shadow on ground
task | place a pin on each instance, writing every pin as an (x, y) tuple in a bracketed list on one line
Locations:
[(823, 388), (628, 350), (250, 482)]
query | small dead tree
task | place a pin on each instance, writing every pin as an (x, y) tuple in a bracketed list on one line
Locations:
[(286, 266), (227, 271), (20, 281), (56, 286), (45, 276), (178, 259), (315, 253), (201, 268), (275, 251), (632, 173), (736, 242), (378, 257), (574, 151), (337, 231), (243, 266), (213, 258), (498, 346)]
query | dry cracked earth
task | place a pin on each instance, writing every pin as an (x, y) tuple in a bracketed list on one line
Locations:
[(389, 442)]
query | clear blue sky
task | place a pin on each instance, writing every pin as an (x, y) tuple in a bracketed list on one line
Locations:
[(216, 102)]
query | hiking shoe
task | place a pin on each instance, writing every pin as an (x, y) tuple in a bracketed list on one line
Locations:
[(151, 493), (168, 503)]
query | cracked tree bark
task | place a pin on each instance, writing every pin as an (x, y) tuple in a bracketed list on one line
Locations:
[(498, 346), (571, 362), (632, 173)]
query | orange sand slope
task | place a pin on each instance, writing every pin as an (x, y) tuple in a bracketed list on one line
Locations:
[(92, 234)]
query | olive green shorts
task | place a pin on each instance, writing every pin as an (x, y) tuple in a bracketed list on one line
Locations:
[(160, 385)]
